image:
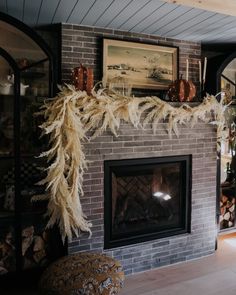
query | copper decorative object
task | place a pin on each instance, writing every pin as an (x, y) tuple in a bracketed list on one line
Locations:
[(182, 90), (83, 78)]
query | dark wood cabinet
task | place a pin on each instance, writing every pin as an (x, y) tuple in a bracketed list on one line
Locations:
[(26, 80)]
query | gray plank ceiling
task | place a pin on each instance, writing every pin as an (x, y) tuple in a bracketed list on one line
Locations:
[(141, 16)]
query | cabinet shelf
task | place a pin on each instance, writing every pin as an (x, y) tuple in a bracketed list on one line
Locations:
[(32, 75), (23, 157), (24, 214), (29, 96), (5, 157), (6, 215)]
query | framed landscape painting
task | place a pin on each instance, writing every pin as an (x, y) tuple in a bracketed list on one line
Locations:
[(141, 65)]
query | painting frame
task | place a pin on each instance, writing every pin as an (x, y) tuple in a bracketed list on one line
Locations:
[(142, 65)]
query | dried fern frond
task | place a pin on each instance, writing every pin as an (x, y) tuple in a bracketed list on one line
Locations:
[(71, 114), (67, 163)]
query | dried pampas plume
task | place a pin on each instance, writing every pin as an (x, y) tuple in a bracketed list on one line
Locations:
[(67, 163), (72, 113)]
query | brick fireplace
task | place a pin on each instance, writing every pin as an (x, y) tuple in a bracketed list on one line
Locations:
[(84, 44), (132, 143)]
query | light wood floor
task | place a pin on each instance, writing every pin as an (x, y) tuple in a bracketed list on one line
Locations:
[(212, 275)]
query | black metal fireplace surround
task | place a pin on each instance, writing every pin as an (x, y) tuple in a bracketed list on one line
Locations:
[(146, 199)]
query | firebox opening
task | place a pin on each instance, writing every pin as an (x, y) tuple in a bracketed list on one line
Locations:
[(146, 199)]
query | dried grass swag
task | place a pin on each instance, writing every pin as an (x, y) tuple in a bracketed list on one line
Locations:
[(71, 114)]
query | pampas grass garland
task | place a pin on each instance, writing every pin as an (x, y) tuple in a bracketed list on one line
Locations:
[(71, 114)]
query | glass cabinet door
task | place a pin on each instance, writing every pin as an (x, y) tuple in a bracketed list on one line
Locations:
[(6, 110), (7, 172), (7, 214), (7, 247), (26, 80), (34, 90), (228, 81), (228, 171)]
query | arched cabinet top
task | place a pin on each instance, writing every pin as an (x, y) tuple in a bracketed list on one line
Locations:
[(32, 55), (226, 62), (9, 59), (22, 42)]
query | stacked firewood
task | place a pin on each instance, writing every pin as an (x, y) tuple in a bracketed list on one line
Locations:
[(7, 253), (34, 247), (34, 250), (227, 210)]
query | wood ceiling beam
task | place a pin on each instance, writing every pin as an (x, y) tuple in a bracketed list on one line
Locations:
[(221, 6)]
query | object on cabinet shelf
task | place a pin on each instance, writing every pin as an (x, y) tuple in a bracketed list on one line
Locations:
[(9, 202), (7, 87), (7, 252), (229, 173), (23, 87), (226, 92), (6, 133), (182, 90), (23, 62)]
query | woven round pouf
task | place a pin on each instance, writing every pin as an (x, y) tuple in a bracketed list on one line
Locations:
[(82, 274)]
